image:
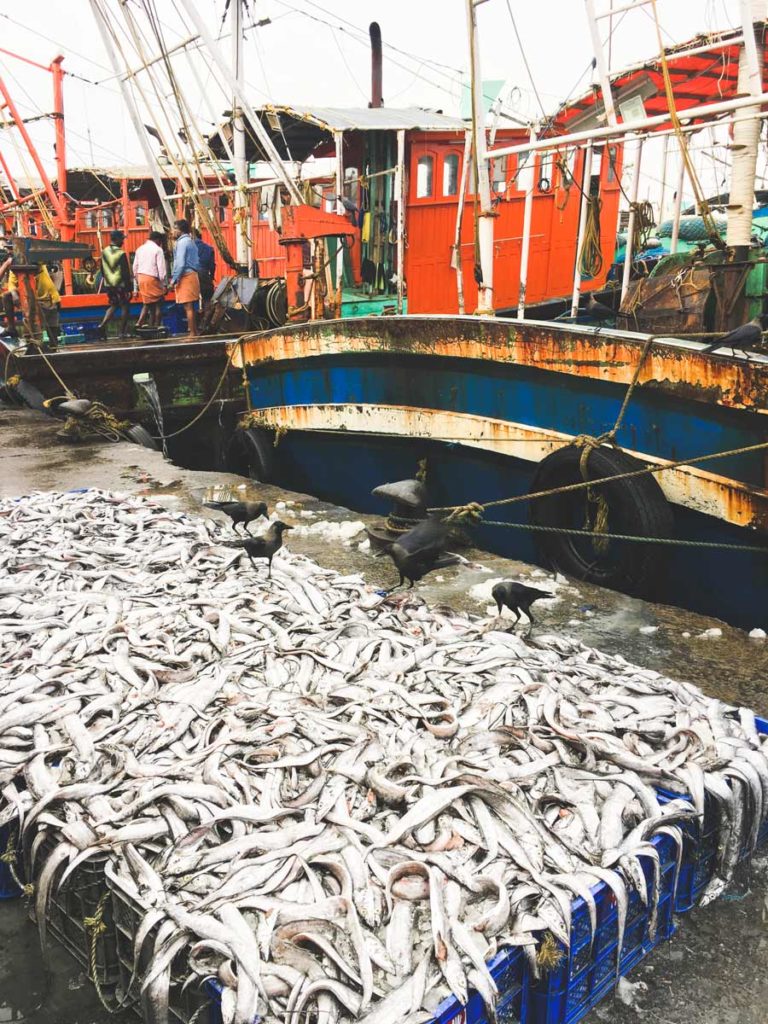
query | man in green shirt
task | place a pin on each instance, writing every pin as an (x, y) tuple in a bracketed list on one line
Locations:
[(117, 281)]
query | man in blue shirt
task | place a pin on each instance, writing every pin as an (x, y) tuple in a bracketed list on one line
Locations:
[(206, 256), (185, 276)]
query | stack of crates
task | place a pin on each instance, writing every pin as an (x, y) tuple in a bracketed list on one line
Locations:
[(587, 971), (70, 907), (128, 910)]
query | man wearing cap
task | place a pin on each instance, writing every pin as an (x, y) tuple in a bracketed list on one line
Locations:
[(185, 277), (117, 281)]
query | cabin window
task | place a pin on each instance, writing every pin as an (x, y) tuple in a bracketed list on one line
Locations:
[(352, 185), (141, 215), (223, 204), (451, 175), (107, 219), (499, 168), (92, 219), (424, 175)]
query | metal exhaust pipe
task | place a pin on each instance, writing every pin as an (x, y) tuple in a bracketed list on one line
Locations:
[(377, 100)]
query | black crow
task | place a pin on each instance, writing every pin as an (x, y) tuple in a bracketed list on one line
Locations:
[(421, 550), (348, 204), (517, 597), (266, 545), (240, 511), (744, 337)]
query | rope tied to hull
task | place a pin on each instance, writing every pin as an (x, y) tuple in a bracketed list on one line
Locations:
[(597, 508)]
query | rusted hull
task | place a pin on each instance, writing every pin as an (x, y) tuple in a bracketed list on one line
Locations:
[(186, 373), (495, 397)]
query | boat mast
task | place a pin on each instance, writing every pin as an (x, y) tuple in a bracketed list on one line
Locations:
[(484, 268), (242, 199), (746, 134), (104, 28)]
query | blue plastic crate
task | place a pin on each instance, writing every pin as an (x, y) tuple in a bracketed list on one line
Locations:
[(174, 320), (588, 969), (507, 969), (700, 846), (8, 887)]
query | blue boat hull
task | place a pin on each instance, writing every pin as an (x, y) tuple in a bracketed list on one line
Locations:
[(485, 401)]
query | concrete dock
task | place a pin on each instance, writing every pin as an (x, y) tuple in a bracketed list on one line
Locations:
[(715, 968)]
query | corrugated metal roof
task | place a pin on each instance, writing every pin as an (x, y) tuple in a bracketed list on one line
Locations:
[(338, 119)]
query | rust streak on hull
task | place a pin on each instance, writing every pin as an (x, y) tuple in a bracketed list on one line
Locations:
[(676, 368), (691, 486)]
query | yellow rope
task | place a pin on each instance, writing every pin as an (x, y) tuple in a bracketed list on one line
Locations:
[(706, 213), (209, 403), (629, 475), (95, 927)]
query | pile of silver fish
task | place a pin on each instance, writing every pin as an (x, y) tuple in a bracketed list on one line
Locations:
[(338, 804)]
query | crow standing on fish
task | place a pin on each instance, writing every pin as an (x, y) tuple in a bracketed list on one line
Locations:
[(517, 597), (266, 545), (240, 511), (744, 337), (421, 550)]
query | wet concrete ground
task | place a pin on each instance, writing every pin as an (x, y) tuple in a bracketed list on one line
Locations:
[(715, 971)]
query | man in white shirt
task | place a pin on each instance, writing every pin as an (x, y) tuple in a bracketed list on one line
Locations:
[(150, 271)]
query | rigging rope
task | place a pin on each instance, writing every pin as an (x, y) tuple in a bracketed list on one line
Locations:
[(701, 202)]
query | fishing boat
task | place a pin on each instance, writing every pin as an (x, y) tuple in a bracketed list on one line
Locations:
[(503, 409)]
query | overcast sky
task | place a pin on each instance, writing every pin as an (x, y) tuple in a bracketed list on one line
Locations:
[(316, 52)]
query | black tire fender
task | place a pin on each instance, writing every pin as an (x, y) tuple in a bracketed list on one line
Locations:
[(140, 435), (636, 507), (251, 453)]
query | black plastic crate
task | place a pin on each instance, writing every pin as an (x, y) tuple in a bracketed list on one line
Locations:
[(10, 869), (73, 911), (128, 911)]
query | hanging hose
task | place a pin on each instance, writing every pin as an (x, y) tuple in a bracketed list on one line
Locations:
[(644, 224), (591, 250)]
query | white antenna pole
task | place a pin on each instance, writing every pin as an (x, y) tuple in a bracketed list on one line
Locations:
[(456, 261), (526, 241), (602, 65), (133, 112), (487, 214), (678, 206), (272, 155), (746, 134), (242, 201), (401, 180), (664, 167)]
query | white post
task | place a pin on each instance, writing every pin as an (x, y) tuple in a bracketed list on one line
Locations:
[(526, 240), (586, 179), (338, 138), (270, 151), (133, 112), (678, 206), (664, 163), (602, 65), (594, 135), (400, 183), (746, 135), (486, 215), (456, 261), (635, 188), (242, 201)]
